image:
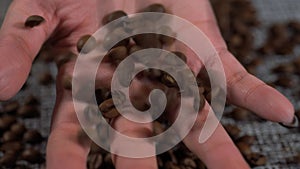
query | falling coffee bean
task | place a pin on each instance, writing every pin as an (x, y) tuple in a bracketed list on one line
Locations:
[(33, 136), (113, 16), (28, 111), (32, 156), (33, 21), (86, 44), (256, 159)]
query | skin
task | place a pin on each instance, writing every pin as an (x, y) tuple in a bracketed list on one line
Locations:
[(67, 21)]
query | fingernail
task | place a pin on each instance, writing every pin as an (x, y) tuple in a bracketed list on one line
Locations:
[(294, 124)]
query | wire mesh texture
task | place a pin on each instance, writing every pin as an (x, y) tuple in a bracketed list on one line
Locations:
[(277, 143)]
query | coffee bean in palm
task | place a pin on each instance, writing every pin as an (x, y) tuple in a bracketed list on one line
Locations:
[(34, 20), (67, 82), (45, 78), (256, 159), (118, 54), (28, 111), (106, 106), (11, 107), (86, 44), (18, 128), (8, 160), (10, 136), (147, 40), (94, 161), (32, 155), (6, 121), (113, 16), (11, 147), (33, 136)]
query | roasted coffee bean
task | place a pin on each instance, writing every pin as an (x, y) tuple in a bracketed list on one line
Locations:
[(247, 139), (94, 161), (118, 54), (155, 8), (10, 136), (31, 100), (18, 128), (28, 111), (33, 136), (32, 155), (244, 148), (266, 49), (285, 48), (64, 57), (113, 113), (167, 35), (240, 114), (113, 37), (232, 130), (168, 80), (153, 74), (171, 165), (189, 163), (148, 40), (8, 160), (95, 149), (113, 16), (284, 68), (106, 106), (86, 44), (134, 48), (45, 78), (256, 159), (6, 121), (11, 107), (102, 94), (67, 82), (33, 21), (11, 147), (285, 81)]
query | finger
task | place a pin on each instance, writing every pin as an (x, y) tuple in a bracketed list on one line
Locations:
[(19, 45), (214, 152), (68, 146)]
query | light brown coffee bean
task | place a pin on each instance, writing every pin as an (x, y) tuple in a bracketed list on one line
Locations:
[(106, 106), (28, 111), (34, 20), (256, 159), (240, 114), (113, 113), (86, 44), (32, 156), (113, 16), (33, 136), (18, 128), (244, 148)]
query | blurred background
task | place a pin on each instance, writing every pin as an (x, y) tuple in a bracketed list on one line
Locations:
[(265, 38)]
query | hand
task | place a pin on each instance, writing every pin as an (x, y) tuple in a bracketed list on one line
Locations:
[(67, 20)]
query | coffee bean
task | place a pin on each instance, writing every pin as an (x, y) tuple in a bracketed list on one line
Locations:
[(155, 8), (168, 80), (167, 35), (6, 121), (102, 94), (244, 148), (28, 111), (33, 21), (171, 165), (125, 76), (67, 82), (118, 54), (256, 159), (18, 128), (11, 107), (113, 113), (64, 57), (32, 155), (134, 48), (11, 147), (247, 139), (284, 68), (232, 130), (189, 163), (199, 104), (9, 136), (95, 149), (86, 44), (153, 74), (106, 106), (33, 137), (31, 100), (8, 160), (148, 40), (285, 81), (240, 114), (95, 161), (45, 78), (115, 36), (113, 16), (158, 128)]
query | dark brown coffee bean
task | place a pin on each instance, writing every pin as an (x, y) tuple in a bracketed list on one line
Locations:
[(11, 147), (256, 159), (64, 57), (67, 82), (33, 21), (232, 130), (171, 165), (247, 139), (240, 114), (113, 16), (189, 163), (278, 31), (118, 54), (153, 74), (285, 81), (95, 149), (32, 155), (106, 106), (115, 36), (18, 128), (284, 68), (6, 121), (102, 94), (11, 107), (28, 111), (167, 35), (266, 49), (9, 136), (285, 48), (148, 40), (8, 160), (244, 148), (134, 48), (94, 161), (168, 80), (86, 44), (45, 78), (155, 8), (33, 136), (31, 100)]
